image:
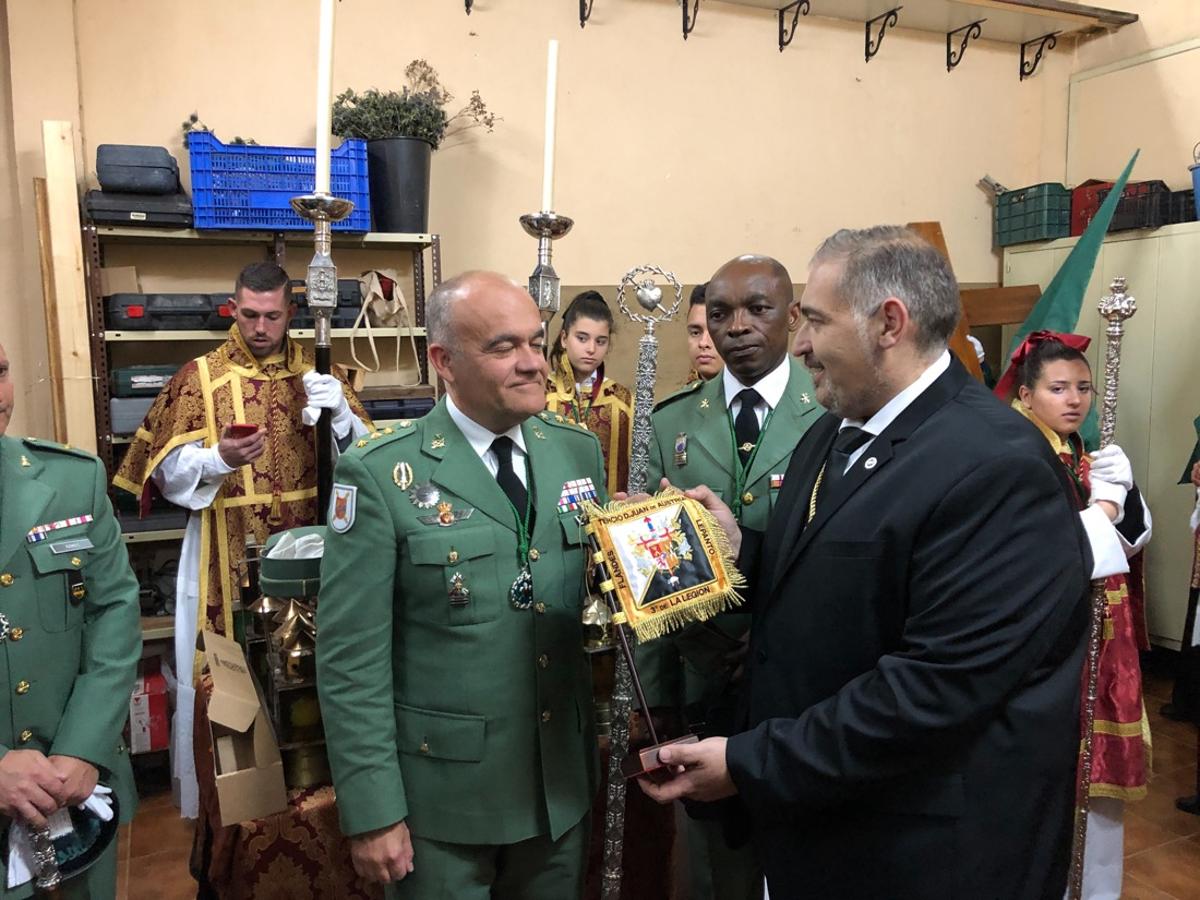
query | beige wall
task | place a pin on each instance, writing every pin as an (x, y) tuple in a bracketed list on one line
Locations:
[(679, 154), (39, 66)]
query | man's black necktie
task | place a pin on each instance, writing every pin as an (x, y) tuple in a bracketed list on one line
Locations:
[(745, 426), (847, 441), (507, 478)]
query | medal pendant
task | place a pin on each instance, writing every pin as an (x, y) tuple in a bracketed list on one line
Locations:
[(520, 595)]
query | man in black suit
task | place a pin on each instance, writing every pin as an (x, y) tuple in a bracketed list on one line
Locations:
[(919, 615)]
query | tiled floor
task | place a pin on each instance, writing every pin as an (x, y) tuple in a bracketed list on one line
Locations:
[(1162, 845)]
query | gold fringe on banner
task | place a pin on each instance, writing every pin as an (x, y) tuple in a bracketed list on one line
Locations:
[(668, 561)]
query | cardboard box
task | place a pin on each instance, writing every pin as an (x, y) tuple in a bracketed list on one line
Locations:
[(249, 770), (118, 280), (149, 720)]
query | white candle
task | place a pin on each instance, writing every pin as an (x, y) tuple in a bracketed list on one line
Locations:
[(551, 102), (324, 94)]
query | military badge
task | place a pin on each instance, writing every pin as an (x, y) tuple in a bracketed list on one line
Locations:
[(776, 482), (438, 442), (460, 594), (666, 560), (446, 515), (342, 507), (424, 496), (575, 494), (402, 475), (681, 441)]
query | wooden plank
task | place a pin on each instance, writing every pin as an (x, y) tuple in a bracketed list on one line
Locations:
[(1000, 305), (959, 345), (49, 304), (66, 304)]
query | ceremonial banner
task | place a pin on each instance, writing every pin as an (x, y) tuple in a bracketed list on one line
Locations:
[(667, 559)]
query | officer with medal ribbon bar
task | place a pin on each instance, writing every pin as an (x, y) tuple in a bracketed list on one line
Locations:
[(454, 688), (734, 433), (70, 642)]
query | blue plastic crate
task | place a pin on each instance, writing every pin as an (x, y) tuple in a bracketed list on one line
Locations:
[(250, 186)]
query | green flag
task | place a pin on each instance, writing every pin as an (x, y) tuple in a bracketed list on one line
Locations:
[(1061, 302)]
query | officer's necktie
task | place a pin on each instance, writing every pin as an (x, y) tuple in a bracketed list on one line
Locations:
[(847, 441), (745, 426), (507, 478)]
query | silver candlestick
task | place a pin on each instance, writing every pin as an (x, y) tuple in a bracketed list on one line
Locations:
[(544, 283), (654, 313)]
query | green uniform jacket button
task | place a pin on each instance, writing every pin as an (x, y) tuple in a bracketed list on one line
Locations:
[(545, 715), (544, 661), (26, 736), (6, 579), (17, 633), (539, 607), (22, 687), (533, 554)]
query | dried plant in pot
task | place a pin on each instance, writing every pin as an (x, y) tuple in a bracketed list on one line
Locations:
[(402, 129)]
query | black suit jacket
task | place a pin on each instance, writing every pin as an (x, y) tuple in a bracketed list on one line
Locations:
[(915, 659)]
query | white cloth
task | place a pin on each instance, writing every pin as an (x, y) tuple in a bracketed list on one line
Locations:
[(1194, 521), (891, 410), (1110, 549), (1104, 849), (190, 476), (481, 438), (770, 387), (20, 846)]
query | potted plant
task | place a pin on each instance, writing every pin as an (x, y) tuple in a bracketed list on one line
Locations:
[(402, 130)]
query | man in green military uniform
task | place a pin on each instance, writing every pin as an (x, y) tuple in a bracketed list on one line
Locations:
[(455, 693), (734, 433), (69, 640)]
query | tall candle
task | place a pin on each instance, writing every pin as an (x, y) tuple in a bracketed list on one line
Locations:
[(324, 94), (551, 102)]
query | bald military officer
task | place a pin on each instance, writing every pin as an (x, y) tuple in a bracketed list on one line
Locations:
[(70, 639), (454, 689), (734, 433)]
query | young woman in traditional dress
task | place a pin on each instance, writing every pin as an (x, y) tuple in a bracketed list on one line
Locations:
[(578, 390), (1050, 383)]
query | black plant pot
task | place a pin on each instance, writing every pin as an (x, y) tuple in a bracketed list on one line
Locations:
[(399, 174)]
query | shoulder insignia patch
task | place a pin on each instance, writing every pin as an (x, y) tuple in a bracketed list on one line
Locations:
[(342, 507)]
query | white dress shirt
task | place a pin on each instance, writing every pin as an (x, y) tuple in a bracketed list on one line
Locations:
[(898, 404), (481, 438), (770, 387)]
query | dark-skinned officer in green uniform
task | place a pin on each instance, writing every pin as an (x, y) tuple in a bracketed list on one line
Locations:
[(734, 433), (455, 692), (70, 640)]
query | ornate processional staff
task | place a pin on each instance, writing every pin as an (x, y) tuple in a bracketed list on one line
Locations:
[(323, 209), (1115, 309), (650, 298)]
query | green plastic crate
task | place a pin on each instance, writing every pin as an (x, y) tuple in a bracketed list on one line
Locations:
[(1037, 213)]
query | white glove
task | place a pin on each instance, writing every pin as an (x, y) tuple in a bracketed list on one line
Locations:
[(325, 392), (1112, 465), (1113, 493), (99, 803)]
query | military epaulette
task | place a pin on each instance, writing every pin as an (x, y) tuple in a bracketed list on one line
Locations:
[(385, 435), (684, 391), (558, 420), (55, 447)]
